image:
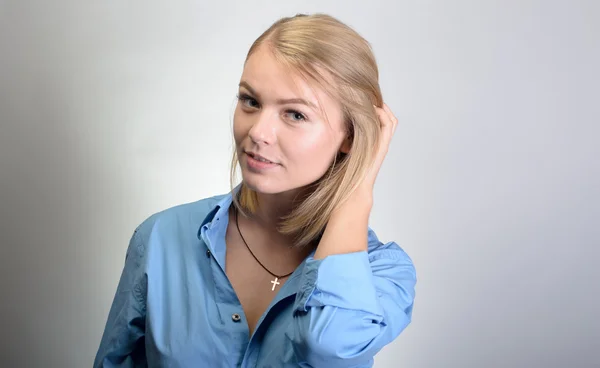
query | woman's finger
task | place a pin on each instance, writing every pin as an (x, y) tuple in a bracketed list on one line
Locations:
[(386, 124), (387, 131), (391, 115)]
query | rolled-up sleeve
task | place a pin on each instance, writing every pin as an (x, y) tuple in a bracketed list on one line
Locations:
[(349, 306), (122, 343)]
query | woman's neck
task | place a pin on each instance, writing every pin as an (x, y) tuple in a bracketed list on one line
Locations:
[(272, 208)]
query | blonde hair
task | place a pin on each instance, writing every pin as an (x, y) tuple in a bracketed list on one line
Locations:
[(328, 53)]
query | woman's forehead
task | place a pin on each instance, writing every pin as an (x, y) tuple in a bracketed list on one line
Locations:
[(271, 79), (268, 76)]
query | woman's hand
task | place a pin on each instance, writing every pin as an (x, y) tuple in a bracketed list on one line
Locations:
[(346, 231), (388, 123)]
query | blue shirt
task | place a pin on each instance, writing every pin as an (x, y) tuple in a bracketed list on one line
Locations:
[(175, 307)]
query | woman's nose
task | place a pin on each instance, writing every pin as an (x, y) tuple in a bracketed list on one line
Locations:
[(264, 128)]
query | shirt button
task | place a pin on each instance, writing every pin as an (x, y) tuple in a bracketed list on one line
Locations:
[(208, 252), (236, 317)]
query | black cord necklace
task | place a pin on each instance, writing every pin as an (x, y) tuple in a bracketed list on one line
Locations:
[(277, 277)]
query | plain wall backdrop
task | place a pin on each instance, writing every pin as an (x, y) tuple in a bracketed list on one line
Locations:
[(113, 110)]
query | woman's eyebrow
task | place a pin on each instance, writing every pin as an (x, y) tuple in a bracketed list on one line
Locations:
[(247, 86), (297, 101), (281, 101)]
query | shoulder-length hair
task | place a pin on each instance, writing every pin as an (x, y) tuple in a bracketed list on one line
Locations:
[(329, 55)]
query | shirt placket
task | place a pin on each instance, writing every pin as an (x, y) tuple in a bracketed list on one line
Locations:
[(234, 326)]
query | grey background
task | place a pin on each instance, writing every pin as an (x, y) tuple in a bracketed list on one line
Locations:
[(113, 110)]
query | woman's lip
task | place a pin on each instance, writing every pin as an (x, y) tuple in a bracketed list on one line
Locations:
[(255, 156), (258, 165)]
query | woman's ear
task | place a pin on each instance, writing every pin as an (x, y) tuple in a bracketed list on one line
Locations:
[(346, 145)]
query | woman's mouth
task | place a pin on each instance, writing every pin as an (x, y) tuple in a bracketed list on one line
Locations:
[(260, 158), (258, 162)]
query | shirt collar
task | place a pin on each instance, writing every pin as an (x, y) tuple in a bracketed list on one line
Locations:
[(219, 209)]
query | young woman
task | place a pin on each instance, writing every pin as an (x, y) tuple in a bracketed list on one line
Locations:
[(283, 271)]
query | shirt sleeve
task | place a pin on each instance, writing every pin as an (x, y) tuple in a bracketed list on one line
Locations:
[(122, 343), (351, 305)]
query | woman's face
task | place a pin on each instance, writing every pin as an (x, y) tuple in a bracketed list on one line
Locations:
[(278, 118)]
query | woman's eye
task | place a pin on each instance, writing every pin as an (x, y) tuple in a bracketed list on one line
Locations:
[(248, 101), (295, 115)]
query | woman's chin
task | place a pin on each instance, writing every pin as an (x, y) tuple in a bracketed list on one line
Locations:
[(264, 185), (259, 185)]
